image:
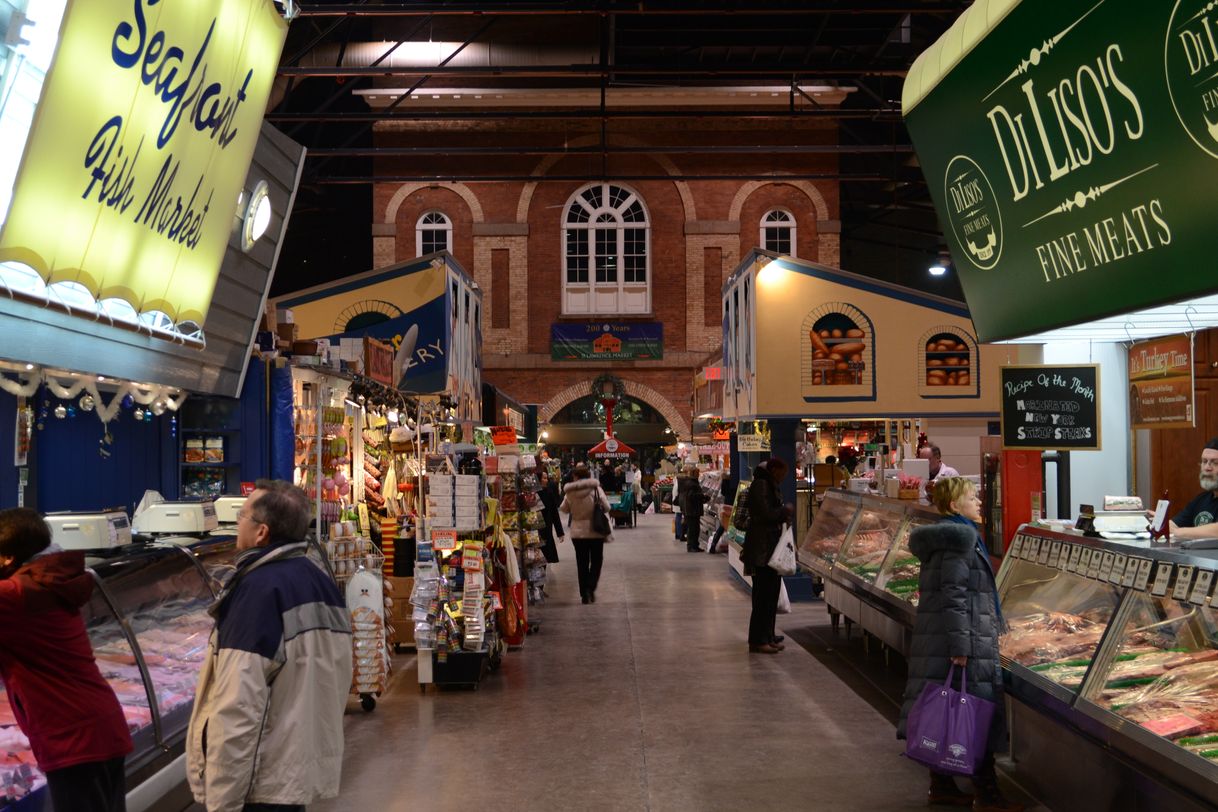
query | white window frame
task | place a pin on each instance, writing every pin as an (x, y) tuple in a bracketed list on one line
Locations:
[(618, 297), (420, 227), (787, 222)]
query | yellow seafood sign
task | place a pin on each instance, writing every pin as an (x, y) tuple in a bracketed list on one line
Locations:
[(140, 146)]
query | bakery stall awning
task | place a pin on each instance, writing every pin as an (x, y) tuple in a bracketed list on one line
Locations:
[(610, 449), (1071, 150)]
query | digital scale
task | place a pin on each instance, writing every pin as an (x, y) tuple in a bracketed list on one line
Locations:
[(227, 508), (176, 518), (90, 531)]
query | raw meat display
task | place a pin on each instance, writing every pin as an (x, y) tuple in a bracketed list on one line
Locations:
[(1054, 639), (865, 554), (825, 548), (19, 775)]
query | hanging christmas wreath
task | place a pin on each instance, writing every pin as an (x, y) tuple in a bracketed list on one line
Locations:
[(608, 386)]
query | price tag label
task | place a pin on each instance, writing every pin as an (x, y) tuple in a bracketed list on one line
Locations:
[(1201, 589), (1163, 573), (444, 540), (1055, 553), (1106, 566), (1032, 551), (1131, 572), (1184, 582), (1063, 560), (1142, 581), (1076, 552), (1016, 546), (1045, 548), (1118, 569), (1084, 561), (1097, 561)]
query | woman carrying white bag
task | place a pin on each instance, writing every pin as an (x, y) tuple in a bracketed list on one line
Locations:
[(765, 516)]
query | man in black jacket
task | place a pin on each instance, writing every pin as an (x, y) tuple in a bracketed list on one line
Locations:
[(695, 501)]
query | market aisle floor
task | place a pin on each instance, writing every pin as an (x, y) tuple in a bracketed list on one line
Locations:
[(646, 700)]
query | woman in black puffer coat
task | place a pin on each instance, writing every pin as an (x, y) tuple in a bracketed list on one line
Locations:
[(766, 515), (958, 621)]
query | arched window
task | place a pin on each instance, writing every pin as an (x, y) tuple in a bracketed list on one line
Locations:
[(778, 232), (433, 232), (606, 256)]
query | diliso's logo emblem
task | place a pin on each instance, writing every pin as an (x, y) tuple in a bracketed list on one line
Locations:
[(957, 750), (972, 208), (1191, 63)]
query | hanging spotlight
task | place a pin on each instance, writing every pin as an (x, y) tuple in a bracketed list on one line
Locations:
[(941, 264)]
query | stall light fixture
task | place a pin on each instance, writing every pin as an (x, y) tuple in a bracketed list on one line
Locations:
[(28, 367), (941, 264), (257, 216), (393, 415), (545, 435), (667, 430)]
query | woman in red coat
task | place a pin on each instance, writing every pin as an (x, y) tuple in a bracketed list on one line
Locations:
[(67, 711)]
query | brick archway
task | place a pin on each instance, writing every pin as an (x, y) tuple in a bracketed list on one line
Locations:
[(405, 190), (544, 166), (813, 194), (638, 391)]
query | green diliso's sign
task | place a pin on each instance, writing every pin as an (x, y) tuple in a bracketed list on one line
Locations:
[(1073, 159)]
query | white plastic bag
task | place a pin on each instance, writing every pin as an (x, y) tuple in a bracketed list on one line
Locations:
[(651, 509), (784, 600), (783, 560)]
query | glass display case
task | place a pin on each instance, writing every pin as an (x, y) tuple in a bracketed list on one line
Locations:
[(901, 570), (218, 556), (1055, 620), (867, 547), (834, 519), (1119, 641), (147, 621)]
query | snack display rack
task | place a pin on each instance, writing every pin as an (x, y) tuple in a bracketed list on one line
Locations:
[(328, 462), (858, 545), (1112, 654), (149, 626)]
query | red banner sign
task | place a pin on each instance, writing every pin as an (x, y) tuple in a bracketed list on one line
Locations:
[(1161, 383), (378, 361)]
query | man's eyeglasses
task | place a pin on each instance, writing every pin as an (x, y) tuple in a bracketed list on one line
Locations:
[(1209, 463)]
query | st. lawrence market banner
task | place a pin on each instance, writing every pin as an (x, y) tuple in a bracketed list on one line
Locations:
[(607, 341), (140, 146), (1072, 156)]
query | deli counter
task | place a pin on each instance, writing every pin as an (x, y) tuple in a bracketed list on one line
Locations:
[(149, 626), (1111, 656), (858, 545)]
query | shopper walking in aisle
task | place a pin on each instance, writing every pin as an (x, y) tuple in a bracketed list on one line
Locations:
[(695, 503), (580, 497), (552, 522), (267, 728), (958, 622), (60, 700), (766, 516)]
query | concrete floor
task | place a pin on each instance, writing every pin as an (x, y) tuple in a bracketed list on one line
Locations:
[(646, 700)]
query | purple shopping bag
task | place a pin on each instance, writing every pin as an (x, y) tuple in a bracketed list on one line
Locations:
[(947, 729)]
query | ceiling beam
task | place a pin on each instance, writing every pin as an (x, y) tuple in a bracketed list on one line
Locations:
[(588, 71), (589, 176), (696, 149), (590, 113), (628, 8)]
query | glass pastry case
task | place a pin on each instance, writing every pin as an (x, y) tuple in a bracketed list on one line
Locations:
[(1118, 643), (148, 623)]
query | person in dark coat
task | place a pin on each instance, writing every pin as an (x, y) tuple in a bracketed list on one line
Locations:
[(548, 494), (695, 502), (609, 480), (61, 702), (766, 516), (958, 622)]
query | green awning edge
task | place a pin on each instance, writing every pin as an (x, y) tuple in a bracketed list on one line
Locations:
[(938, 60)]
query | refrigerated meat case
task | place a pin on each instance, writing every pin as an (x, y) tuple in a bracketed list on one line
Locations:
[(858, 545), (149, 626), (1111, 662)]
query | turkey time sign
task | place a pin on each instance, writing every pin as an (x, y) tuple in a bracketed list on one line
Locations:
[(140, 145)]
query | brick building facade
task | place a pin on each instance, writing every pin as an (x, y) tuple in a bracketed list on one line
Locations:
[(702, 216)]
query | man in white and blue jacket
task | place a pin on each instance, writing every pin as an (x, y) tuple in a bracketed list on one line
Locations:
[(267, 728)]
